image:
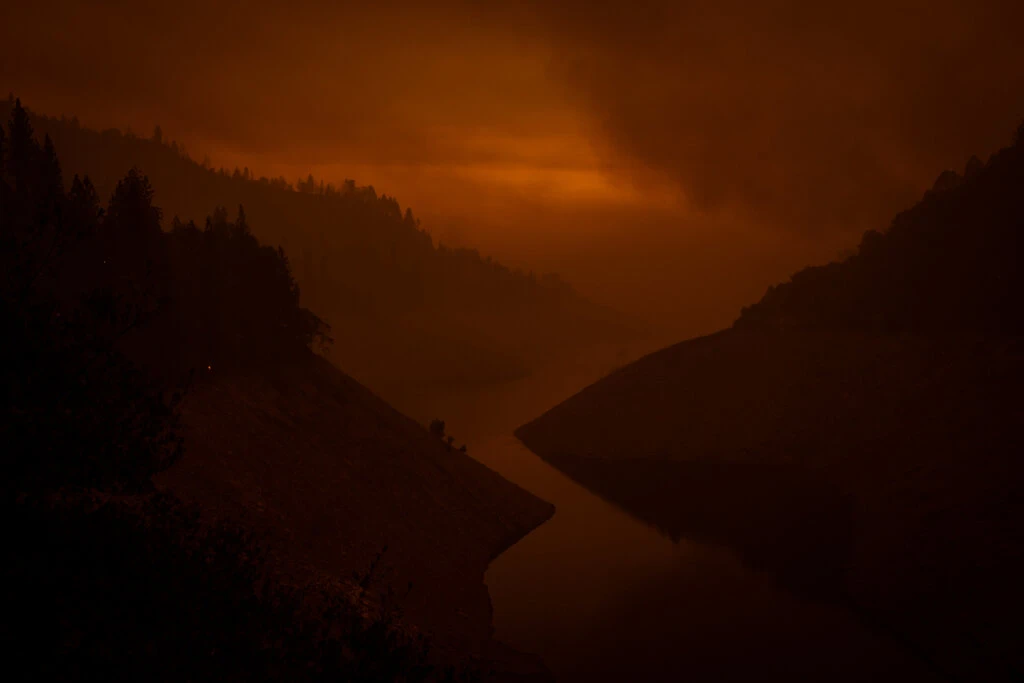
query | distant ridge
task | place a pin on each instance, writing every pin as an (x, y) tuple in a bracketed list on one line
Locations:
[(405, 311)]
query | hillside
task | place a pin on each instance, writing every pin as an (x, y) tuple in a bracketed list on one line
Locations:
[(856, 432), (331, 476), (405, 311), (190, 492)]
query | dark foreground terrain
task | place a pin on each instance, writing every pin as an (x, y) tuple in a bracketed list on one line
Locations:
[(190, 492), (333, 477)]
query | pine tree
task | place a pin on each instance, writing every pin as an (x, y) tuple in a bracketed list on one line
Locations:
[(49, 167), (241, 224), (131, 210), (24, 150)]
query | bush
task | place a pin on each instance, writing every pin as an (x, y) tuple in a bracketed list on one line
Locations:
[(140, 589)]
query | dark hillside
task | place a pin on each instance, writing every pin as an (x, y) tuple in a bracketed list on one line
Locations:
[(856, 432), (405, 311), (189, 492), (949, 266), (332, 475)]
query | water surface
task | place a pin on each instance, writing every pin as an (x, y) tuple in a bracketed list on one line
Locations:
[(602, 596)]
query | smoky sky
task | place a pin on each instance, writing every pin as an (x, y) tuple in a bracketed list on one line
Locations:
[(605, 140), (813, 114)]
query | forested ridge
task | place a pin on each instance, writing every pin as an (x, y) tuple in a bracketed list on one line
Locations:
[(948, 266), (403, 308)]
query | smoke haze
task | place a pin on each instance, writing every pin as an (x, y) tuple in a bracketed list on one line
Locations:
[(670, 159)]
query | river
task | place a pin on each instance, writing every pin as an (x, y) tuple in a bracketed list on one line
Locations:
[(602, 596)]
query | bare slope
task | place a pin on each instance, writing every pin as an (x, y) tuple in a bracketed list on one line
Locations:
[(331, 475)]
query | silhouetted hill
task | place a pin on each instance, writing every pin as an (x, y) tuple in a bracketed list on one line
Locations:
[(404, 311), (138, 359), (949, 266), (856, 432)]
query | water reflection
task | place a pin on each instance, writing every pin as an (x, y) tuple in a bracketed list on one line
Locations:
[(602, 596)]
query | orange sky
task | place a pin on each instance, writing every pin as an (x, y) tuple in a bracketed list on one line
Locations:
[(670, 158)]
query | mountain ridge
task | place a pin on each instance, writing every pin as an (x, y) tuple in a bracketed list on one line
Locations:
[(402, 306)]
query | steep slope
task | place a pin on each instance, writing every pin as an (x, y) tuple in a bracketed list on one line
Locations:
[(405, 311), (333, 476), (857, 432), (107, 317)]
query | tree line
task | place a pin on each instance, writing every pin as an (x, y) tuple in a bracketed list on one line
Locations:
[(419, 309), (950, 265)]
